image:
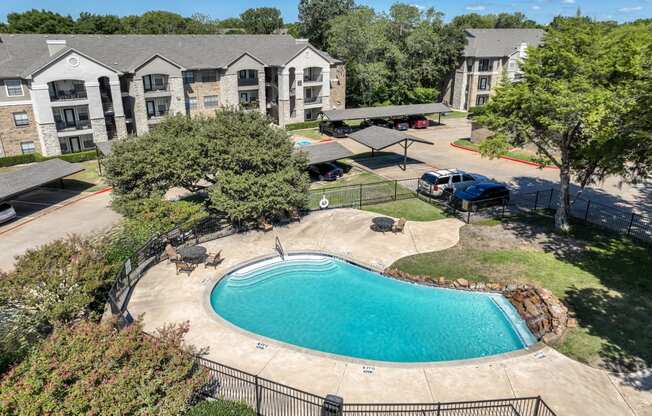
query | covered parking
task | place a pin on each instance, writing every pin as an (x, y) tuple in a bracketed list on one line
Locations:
[(386, 112), (325, 152), (31, 177), (379, 138)]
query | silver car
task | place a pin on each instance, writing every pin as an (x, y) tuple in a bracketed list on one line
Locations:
[(434, 183), (7, 212)]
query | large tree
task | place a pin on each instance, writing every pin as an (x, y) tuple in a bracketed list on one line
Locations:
[(39, 21), (580, 104), (98, 24), (490, 21), (261, 20), (315, 17)]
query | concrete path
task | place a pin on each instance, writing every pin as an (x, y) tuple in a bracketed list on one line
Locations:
[(82, 214), (161, 297), (519, 176)]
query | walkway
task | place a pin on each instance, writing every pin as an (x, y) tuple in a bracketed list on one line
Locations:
[(570, 388)]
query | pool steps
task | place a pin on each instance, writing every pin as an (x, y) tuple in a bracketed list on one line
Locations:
[(263, 274)]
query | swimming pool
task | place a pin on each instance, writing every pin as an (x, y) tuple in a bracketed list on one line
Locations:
[(302, 142), (330, 305)]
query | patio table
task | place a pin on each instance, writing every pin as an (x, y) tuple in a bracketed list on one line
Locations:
[(192, 254)]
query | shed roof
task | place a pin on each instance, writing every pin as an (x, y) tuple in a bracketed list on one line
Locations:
[(33, 176), (378, 138), (325, 152), (387, 111)]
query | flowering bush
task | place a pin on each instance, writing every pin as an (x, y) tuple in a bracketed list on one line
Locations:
[(221, 408), (93, 369)]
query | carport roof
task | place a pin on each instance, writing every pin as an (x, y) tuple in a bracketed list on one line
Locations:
[(388, 111), (33, 176), (379, 138), (106, 148), (325, 152)]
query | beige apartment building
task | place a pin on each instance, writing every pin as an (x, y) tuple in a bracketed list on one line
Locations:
[(488, 55), (64, 93)]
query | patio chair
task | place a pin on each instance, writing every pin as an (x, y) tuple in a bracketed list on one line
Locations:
[(183, 266), (172, 254), (264, 225), (294, 215), (213, 259), (399, 226)]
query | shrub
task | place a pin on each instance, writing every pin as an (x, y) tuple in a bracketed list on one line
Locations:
[(221, 408), (77, 157), (303, 125), (64, 280), (90, 368), (18, 160), (37, 157)]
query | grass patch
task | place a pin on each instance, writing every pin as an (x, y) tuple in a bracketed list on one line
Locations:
[(309, 133), (349, 179), (412, 209), (453, 114), (514, 154), (88, 180), (603, 277)]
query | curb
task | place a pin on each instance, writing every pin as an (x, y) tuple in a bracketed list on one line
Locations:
[(525, 162), (101, 191)]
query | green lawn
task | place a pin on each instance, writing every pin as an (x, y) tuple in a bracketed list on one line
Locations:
[(515, 154), (88, 180), (453, 114), (603, 277), (309, 133), (412, 209), (352, 178)]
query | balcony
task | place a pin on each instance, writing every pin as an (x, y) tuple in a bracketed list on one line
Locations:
[(315, 78), (70, 95), (247, 82), (73, 127), (251, 105), (67, 90)]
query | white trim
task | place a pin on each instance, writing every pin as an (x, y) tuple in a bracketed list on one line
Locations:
[(20, 82), (10, 103)]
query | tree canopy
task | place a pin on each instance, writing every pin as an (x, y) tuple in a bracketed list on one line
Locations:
[(494, 21), (261, 20), (401, 57), (315, 18), (249, 166), (583, 102)]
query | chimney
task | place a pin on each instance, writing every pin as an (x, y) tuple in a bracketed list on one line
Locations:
[(55, 46), (523, 50), (301, 41)]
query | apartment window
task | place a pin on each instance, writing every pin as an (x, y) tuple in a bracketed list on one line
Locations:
[(189, 77), (248, 74), (14, 88), (151, 108), (481, 99), (21, 119), (208, 76), (88, 142), (153, 82), (27, 147), (162, 108), (192, 102), (484, 83), (211, 101), (484, 65), (248, 96)]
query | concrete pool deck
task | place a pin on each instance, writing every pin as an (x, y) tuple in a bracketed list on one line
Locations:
[(569, 387)]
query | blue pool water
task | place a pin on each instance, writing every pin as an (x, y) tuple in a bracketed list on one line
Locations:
[(300, 143), (330, 305)]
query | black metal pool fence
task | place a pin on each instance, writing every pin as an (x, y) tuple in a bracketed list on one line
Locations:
[(269, 398), (624, 221)]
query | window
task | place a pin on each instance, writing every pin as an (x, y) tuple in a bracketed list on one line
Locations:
[(467, 178), (211, 101), (14, 88), (151, 108), (27, 147), (188, 77), (88, 142), (63, 143), (192, 102), (248, 74), (484, 65), (162, 108), (208, 76), (443, 180), (248, 96), (483, 83), (457, 179), (481, 99), (158, 82), (469, 65), (21, 119)]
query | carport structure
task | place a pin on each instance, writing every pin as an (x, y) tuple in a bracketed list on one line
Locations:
[(379, 138), (325, 152), (387, 111), (34, 176)]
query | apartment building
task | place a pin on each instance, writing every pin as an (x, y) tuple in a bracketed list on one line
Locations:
[(64, 93), (488, 55)]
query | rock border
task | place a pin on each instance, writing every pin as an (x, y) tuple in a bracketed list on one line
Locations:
[(546, 316)]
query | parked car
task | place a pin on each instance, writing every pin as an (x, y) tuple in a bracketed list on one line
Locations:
[(418, 122), (335, 128), (7, 212), (434, 183), (380, 122), (325, 171), (401, 124), (481, 195)]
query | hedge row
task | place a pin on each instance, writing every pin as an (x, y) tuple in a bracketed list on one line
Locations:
[(36, 157), (304, 125)]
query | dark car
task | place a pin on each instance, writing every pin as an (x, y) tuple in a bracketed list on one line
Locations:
[(418, 122), (480, 196), (325, 171), (380, 122), (335, 128), (401, 124)]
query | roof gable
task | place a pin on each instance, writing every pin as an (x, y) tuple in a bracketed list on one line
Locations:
[(59, 56)]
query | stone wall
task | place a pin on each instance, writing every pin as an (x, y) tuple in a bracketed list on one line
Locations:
[(546, 316), (200, 90), (49, 139), (338, 87), (11, 136)]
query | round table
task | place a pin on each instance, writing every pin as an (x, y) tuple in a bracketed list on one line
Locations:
[(382, 224), (192, 254)]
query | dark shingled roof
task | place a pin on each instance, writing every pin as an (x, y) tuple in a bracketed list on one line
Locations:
[(33, 176), (325, 152), (388, 111), (379, 138), (20, 54), (499, 42)]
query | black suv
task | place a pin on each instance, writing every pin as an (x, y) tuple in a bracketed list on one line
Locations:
[(335, 128)]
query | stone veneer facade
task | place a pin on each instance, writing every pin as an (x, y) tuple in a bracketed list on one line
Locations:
[(11, 136)]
